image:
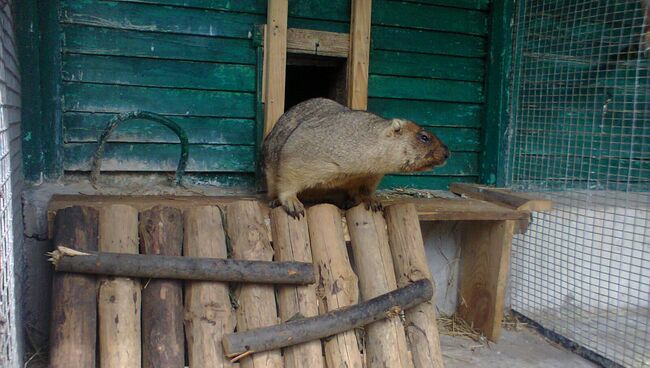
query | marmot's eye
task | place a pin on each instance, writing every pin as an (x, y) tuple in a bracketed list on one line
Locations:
[(424, 138)]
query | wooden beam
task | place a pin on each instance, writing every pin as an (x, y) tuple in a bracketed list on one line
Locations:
[(359, 54), (275, 54), (307, 41), (502, 197), (485, 251)]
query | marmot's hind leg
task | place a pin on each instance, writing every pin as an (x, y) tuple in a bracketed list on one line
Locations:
[(364, 192)]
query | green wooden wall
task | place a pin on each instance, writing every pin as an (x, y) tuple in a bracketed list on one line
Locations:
[(195, 61), (427, 64)]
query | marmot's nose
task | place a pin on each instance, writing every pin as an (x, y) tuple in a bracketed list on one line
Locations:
[(446, 152)]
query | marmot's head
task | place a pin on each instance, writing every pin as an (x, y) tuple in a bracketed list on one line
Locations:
[(418, 150)]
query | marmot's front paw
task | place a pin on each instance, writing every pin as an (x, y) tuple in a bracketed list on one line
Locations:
[(373, 204), (275, 203), (293, 207)]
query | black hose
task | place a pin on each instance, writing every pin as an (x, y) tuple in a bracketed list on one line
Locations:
[(119, 119)]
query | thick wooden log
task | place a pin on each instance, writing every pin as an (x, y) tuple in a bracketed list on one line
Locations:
[(161, 232), (73, 331), (485, 250), (385, 339), (337, 283), (257, 308), (183, 268), (335, 322), (119, 298), (409, 259), (291, 243), (208, 312)]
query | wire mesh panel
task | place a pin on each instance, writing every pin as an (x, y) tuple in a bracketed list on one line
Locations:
[(10, 179), (579, 133)]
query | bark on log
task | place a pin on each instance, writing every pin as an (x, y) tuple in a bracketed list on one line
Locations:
[(291, 243), (385, 340), (183, 268), (119, 298), (409, 258), (208, 314), (337, 283), (332, 323), (161, 232), (257, 307), (73, 332)]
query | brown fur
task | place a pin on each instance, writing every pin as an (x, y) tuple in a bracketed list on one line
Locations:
[(320, 146)]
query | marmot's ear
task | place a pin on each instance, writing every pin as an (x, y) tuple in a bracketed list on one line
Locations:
[(396, 126)]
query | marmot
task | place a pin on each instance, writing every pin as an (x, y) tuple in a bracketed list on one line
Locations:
[(320, 145)]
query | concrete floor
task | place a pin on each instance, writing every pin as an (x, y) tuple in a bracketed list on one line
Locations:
[(520, 349)]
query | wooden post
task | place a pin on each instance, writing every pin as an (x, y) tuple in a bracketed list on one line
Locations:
[(359, 54), (119, 297), (73, 331), (257, 307), (386, 341), (409, 258), (337, 283), (485, 254), (161, 232), (208, 315), (291, 243), (275, 53)]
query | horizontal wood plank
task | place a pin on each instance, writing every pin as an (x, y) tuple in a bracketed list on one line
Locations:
[(429, 113), (243, 6), (85, 97), (423, 182), (410, 64), (427, 42), (458, 209), (432, 209), (425, 89), (87, 127), (160, 157), (107, 41), (464, 4), (429, 17), (163, 19), (318, 24), (158, 73), (306, 41)]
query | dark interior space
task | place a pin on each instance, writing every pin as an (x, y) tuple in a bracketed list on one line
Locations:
[(314, 76)]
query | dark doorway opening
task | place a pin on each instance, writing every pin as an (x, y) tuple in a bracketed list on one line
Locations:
[(310, 76)]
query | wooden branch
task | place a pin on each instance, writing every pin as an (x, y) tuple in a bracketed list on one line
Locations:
[(337, 282), (275, 53), (503, 197), (385, 339), (208, 312), (182, 268), (161, 233), (359, 54), (291, 243), (257, 306), (332, 323), (407, 249), (73, 330), (119, 298)]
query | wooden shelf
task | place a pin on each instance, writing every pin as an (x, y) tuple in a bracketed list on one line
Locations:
[(429, 209)]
